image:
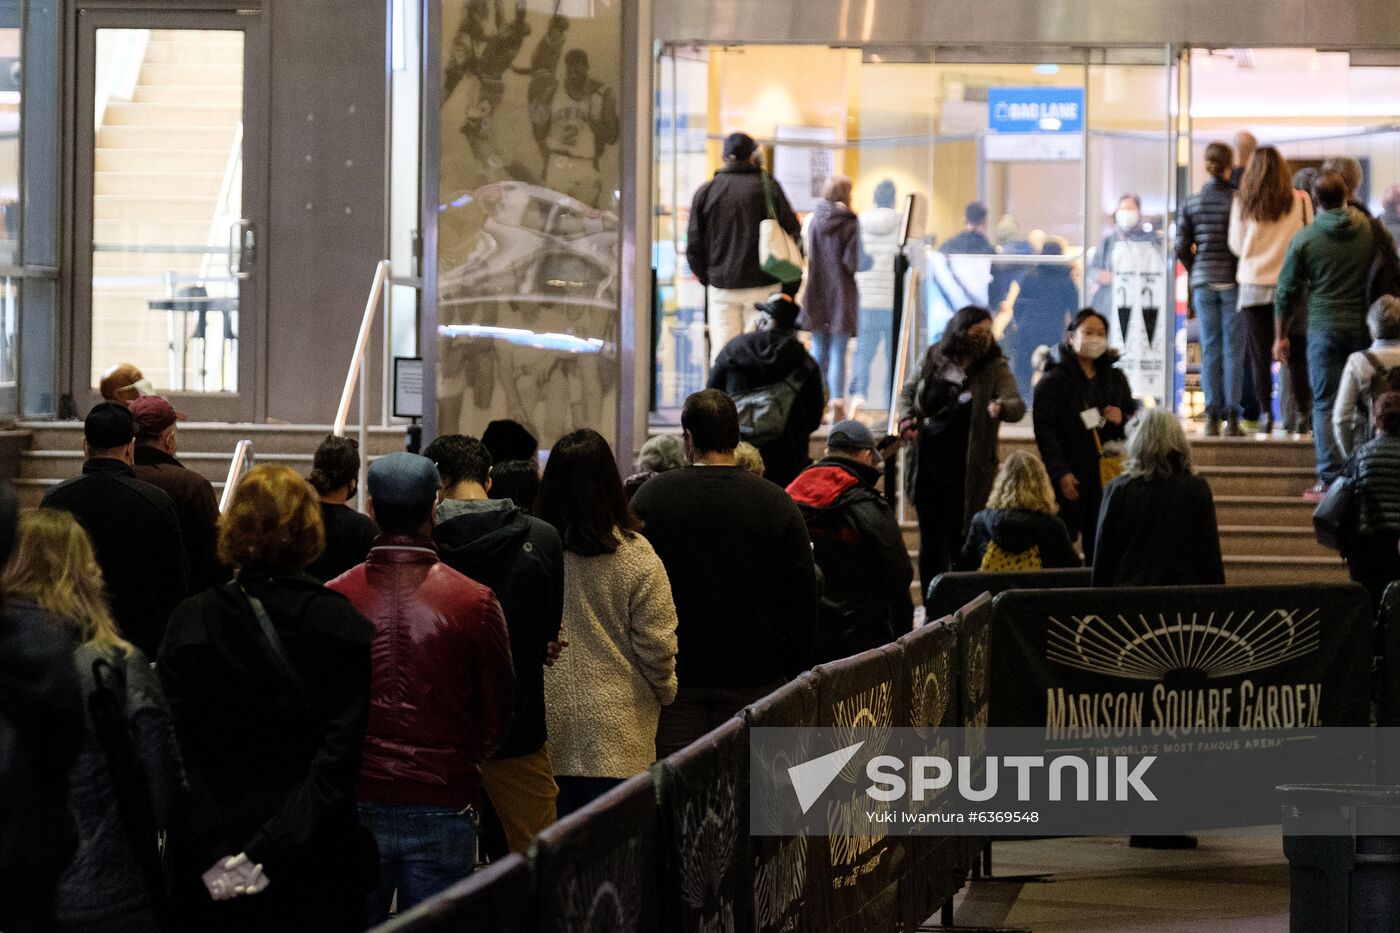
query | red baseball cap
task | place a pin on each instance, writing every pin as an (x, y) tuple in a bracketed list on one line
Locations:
[(153, 415)]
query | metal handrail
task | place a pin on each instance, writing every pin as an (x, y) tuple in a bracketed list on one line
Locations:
[(377, 293), (907, 324), (242, 463)]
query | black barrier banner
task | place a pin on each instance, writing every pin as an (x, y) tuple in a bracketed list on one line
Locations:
[(973, 626), (949, 592), (861, 872), (702, 805), (494, 899), (1172, 671), (1389, 637), (599, 867), (936, 863), (778, 868)]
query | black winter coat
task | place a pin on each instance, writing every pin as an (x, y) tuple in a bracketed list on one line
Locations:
[(1204, 222), (764, 358), (271, 774), (1062, 393), (831, 302), (41, 733), (1017, 530), (104, 883), (197, 508), (1158, 531), (858, 546), (135, 531), (521, 558), (722, 239), (1377, 470)]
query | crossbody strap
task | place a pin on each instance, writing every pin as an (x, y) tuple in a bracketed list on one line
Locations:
[(276, 646), (768, 196)]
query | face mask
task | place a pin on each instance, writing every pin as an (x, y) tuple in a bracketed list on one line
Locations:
[(978, 344), (1128, 219), (1091, 347)]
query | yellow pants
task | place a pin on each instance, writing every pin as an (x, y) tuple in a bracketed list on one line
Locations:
[(523, 791)]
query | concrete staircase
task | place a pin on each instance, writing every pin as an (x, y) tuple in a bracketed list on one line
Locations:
[(55, 450), (160, 163)]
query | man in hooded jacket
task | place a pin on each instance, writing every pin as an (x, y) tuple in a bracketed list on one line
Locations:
[(521, 558), (857, 544), (764, 358)]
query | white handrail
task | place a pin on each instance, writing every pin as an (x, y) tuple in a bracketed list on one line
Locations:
[(242, 462), (353, 378), (907, 323)]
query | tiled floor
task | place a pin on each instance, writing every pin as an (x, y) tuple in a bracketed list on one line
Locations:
[(1229, 884)]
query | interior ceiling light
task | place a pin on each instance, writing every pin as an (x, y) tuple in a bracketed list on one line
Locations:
[(1046, 69)]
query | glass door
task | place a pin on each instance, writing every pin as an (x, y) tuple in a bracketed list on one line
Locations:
[(170, 179)]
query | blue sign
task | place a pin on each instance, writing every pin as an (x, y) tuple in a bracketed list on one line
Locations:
[(1035, 109)]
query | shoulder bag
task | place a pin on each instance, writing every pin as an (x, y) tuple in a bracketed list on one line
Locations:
[(1335, 518), (778, 253)]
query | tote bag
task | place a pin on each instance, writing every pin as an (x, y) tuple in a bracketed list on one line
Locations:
[(778, 253)]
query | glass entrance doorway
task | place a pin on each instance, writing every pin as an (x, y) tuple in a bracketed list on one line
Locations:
[(1044, 142), (170, 174)]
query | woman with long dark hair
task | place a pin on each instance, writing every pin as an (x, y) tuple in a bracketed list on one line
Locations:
[(1263, 220), (604, 695), (954, 409)]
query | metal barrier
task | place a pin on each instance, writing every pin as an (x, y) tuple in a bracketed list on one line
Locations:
[(242, 463)]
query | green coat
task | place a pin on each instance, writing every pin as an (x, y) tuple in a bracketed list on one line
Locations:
[(990, 380), (1330, 259)]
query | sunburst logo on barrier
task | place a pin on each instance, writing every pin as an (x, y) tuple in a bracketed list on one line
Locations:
[(1197, 646)]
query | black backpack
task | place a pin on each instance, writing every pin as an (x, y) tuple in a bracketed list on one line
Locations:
[(1384, 275), (1383, 379)]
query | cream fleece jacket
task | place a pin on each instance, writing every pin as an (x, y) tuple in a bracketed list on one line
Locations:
[(603, 697), (1262, 247)]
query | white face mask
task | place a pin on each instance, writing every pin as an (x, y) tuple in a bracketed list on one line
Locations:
[(1127, 219), (143, 387), (1090, 346)]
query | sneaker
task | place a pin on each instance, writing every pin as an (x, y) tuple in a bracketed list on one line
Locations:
[(1315, 492), (1249, 425), (857, 403)]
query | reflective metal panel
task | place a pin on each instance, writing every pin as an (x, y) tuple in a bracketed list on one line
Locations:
[(1323, 23)]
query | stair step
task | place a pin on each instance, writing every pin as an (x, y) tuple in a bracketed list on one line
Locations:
[(64, 464), (195, 136), (1258, 481), (150, 230), (217, 94), (162, 161), (222, 74), (1271, 540), (147, 207), (188, 52), (212, 437), (153, 184), (1277, 571), (1275, 511), (147, 114)]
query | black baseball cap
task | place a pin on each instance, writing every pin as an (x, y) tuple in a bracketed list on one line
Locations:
[(738, 147), (108, 425)]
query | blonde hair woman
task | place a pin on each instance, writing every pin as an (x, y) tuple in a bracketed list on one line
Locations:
[(1019, 529), (55, 569)]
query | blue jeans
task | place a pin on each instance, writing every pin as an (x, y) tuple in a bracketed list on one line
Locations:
[(423, 850), (876, 331), (829, 350), (1222, 348), (1327, 357)]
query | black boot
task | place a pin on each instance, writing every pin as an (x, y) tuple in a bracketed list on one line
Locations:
[(1212, 424), (1266, 425), (1232, 425)]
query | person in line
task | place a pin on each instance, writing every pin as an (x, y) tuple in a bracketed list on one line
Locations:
[(831, 304), (521, 559), (1246, 144), (1081, 404), (605, 694), (747, 458), (1202, 246), (1372, 550), (972, 239), (41, 732), (440, 692), (335, 475), (953, 410), (772, 358), (858, 547), (1128, 227), (1367, 376), (269, 727), (659, 454), (134, 527), (107, 885), (1390, 211), (510, 440), (1263, 220), (1157, 525), (740, 564), (1019, 530), (123, 383), (1047, 300), (195, 503), (879, 233), (1297, 411), (722, 240), (1349, 167), (518, 481), (1330, 259)]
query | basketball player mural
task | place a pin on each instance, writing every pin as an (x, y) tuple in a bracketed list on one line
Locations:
[(573, 123)]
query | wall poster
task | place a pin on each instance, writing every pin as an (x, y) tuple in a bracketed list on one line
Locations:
[(1139, 316), (528, 236)]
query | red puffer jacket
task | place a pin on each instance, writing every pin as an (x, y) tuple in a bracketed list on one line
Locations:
[(441, 676)]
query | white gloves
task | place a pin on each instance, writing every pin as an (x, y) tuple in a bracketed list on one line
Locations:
[(235, 876)]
